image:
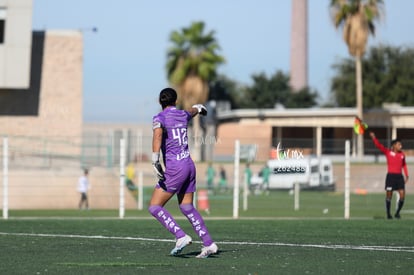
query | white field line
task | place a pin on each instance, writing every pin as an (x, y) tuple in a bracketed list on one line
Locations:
[(322, 246)]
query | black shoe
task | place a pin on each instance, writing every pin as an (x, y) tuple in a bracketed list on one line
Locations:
[(397, 216), (389, 217)]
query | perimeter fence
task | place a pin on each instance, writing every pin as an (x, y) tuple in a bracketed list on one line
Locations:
[(42, 173)]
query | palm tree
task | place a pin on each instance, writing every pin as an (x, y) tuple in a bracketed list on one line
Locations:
[(356, 17), (192, 63)]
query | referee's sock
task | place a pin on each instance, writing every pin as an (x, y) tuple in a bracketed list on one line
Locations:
[(388, 207), (400, 205)]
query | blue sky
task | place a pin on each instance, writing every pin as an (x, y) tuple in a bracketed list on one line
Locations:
[(124, 61)]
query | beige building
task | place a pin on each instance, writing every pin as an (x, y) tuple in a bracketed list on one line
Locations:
[(51, 107), (40, 79), (313, 131), (41, 76)]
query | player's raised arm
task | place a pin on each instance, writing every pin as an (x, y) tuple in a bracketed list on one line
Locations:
[(377, 143)]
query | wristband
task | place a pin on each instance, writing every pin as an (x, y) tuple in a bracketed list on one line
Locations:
[(155, 157)]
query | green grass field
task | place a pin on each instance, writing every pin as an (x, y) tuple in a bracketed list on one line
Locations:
[(269, 238)]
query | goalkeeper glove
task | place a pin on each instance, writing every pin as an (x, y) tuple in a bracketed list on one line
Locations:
[(157, 166), (202, 110)]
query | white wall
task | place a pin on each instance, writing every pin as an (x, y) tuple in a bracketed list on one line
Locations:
[(16, 50)]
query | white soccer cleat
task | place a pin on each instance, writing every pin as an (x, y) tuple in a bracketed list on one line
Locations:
[(180, 244), (207, 251)]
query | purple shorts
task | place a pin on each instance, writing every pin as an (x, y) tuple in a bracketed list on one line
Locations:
[(179, 178)]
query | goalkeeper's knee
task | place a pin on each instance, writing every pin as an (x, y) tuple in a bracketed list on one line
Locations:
[(186, 208)]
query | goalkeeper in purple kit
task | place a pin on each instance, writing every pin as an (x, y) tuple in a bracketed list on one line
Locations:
[(170, 137)]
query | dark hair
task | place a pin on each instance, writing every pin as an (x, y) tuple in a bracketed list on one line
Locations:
[(168, 97), (394, 141)]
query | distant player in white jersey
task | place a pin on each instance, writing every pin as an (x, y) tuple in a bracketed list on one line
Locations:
[(170, 137), (83, 187)]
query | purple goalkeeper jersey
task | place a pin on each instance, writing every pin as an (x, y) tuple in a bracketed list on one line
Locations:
[(179, 167)]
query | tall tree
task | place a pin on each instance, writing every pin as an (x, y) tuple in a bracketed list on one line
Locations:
[(192, 62), (223, 88), (388, 77), (266, 92), (356, 17)]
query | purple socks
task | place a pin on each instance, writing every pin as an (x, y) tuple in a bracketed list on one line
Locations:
[(197, 222), (193, 216), (165, 218)]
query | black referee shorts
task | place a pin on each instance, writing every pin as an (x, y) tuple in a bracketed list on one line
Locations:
[(394, 182)]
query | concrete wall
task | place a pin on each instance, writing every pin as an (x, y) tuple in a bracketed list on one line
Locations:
[(56, 188), (51, 108), (247, 132)]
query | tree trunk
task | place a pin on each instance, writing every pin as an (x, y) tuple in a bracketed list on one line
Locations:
[(360, 111), (194, 91)]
